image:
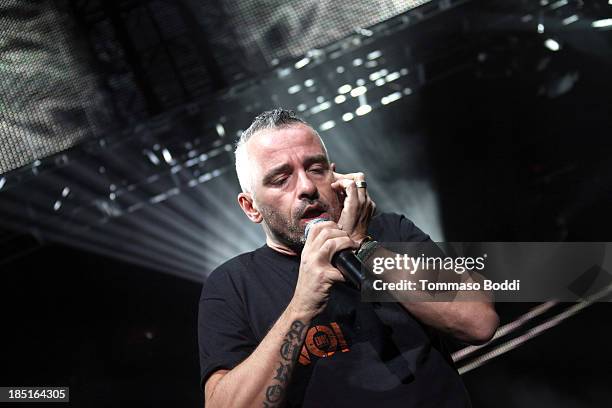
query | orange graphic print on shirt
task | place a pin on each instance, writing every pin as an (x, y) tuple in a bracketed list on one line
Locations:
[(322, 341)]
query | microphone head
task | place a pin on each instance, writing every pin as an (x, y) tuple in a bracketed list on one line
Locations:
[(311, 223)]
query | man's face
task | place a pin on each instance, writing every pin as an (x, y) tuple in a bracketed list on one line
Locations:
[(291, 182)]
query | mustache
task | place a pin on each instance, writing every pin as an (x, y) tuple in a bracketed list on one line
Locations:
[(307, 203)]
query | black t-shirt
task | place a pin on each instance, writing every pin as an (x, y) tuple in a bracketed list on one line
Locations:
[(355, 353)]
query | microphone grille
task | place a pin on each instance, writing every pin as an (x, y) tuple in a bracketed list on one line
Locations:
[(311, 223)]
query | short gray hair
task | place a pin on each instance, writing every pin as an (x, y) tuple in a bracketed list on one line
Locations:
[(278, 118)]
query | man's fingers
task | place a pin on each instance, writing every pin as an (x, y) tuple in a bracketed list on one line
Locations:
[(335, 245), (354, 177)]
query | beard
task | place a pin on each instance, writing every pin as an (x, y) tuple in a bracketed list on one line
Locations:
[(286, 229)]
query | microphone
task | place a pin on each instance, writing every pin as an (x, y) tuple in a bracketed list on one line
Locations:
[(345, 261)]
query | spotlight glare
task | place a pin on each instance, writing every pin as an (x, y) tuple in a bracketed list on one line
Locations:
[(167, 156), (374, 76), (302, 63), (346, 88), (152, 157), (363, 109), (347, 116), (540, 28), (339, 99), (2, 182), (569, 20), (376, 54), (220, 130), (552, 45), (327, 125), (294, 89), (360, 90), (308, 83), (558, 4), (391, 98), (320, 107), (392, 76), (380, 82), (607, 22)]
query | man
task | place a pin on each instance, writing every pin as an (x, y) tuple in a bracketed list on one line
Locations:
[(278, 327)]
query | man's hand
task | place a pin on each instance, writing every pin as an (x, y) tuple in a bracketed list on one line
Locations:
[(358, 207), (317, 274)]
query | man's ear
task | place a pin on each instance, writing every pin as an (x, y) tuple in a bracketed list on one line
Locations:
[(333, 166), (245, 200)]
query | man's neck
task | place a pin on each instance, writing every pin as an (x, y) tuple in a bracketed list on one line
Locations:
[(282, 248)]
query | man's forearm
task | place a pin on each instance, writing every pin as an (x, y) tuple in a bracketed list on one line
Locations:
[(262, 379), (468, 316)]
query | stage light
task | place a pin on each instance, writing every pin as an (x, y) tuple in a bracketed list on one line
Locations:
[(363, 110), (391, 98), (220, 130), (360, 90), (378, 74), (569, 20), (380, 82), (552, 45), (346, 88), (302, 63), (327, 125), (167, 156), (338, 99), (320, 107), (308, 83), (540, 28), (348, 116), (374, 54), (152, 157), (558, 4), (2, 182), (392, 76), (607, 22), (293, 89), (357, 62)]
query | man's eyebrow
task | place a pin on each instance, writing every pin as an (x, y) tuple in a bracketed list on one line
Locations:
[(283, 168), (318, 159)]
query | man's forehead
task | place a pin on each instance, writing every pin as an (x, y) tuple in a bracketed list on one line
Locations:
[(272, 145)]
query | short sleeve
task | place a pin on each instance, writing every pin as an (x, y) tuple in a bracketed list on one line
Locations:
[(410, 232), (224, 336)]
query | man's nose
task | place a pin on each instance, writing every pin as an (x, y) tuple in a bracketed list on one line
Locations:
[(306, 187)]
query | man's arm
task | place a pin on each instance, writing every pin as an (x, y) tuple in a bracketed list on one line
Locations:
[(262, 378), (473, 322), (468, 316)]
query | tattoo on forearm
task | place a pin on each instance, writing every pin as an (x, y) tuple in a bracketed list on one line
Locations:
[(289, 351)]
